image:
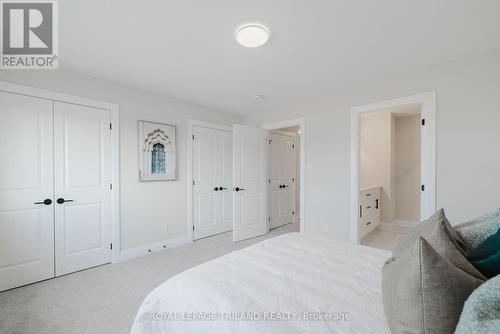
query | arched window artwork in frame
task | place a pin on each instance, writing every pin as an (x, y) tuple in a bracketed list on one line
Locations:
[(158, 164), (157, 151)]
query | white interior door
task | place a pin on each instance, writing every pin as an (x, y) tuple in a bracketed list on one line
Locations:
[(281, 180), (82, 180), (249, 186), (26, 178), (212, 176)]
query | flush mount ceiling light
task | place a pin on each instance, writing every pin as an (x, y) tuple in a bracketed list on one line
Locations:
[(252, 35)]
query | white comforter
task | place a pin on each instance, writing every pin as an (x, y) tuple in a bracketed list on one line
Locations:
[(279, 278)]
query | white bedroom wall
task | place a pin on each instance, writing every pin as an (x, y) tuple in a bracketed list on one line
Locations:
[(150, 211), (468, 126), (407, 167), (376, 158)]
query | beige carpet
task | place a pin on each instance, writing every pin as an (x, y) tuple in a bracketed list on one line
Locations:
[(105, 299)]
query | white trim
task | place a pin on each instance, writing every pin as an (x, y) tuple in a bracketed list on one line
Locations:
[(154, 247), (114, 110), (191, 124), (301, 123), (427, 101), (284, 133)]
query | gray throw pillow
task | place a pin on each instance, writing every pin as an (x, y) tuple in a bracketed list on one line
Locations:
[(428, 229), (475, 231), (481, 314), (423, 292)]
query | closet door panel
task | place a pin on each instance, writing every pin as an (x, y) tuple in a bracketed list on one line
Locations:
[(282, 175), (213, 169), (287, 179), (204, 196), (227, 181), (275, 171), (82, 180), (26, 178)]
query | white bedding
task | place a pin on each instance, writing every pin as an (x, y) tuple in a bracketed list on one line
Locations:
[(292, 274)]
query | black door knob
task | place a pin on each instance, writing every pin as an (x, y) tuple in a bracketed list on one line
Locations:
[(62, 200), (281, 186), (216, 188), (47, 201), (238, 189)]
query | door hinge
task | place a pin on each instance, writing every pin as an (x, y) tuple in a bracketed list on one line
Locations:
[(269, 180), (423, 121), (193, 227), (293, 145), (293, 179), (269, 219), (293, 213), (270, 140), (111, 246), (193, 136), (111, 186), (111, 126), (193, 183), (422, 187)]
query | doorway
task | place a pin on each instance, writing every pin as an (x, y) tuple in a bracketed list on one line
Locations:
[(235, 161), (393, 159)]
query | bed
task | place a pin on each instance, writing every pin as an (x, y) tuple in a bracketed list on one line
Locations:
[(293, 283)]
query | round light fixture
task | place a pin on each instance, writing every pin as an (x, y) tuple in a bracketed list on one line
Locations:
[(252, 35)]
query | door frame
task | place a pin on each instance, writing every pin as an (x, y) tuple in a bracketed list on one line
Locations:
[(300, 122), (191, 124), (427, 101), (114, 110)]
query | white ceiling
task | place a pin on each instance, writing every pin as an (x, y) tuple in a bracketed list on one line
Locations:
[(186, 48)]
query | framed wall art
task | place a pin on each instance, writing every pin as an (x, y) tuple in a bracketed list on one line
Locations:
[(157, 151)]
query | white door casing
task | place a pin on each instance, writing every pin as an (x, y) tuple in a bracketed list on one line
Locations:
[(427, 101), (82, 169), (26, 178), (249, 182), (212, 177), (281, 180)]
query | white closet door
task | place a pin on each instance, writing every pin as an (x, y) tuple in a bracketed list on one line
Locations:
[(26, 178), (82, 180), (249, 173), (212, 175), (226, 180), (275, 185), (282, 180), (287, 203)]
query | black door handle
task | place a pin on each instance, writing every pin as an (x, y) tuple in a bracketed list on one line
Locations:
[(238, 189), (47, 201), (285, 186), (216, 188), (221, 188), (281, 186), (62, 200)]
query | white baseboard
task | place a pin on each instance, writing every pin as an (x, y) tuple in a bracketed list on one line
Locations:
[(129, 254)]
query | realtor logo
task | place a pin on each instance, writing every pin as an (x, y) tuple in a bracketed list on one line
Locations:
[(29, 34)]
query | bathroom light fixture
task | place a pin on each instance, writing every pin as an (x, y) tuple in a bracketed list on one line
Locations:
[(252, 35)]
